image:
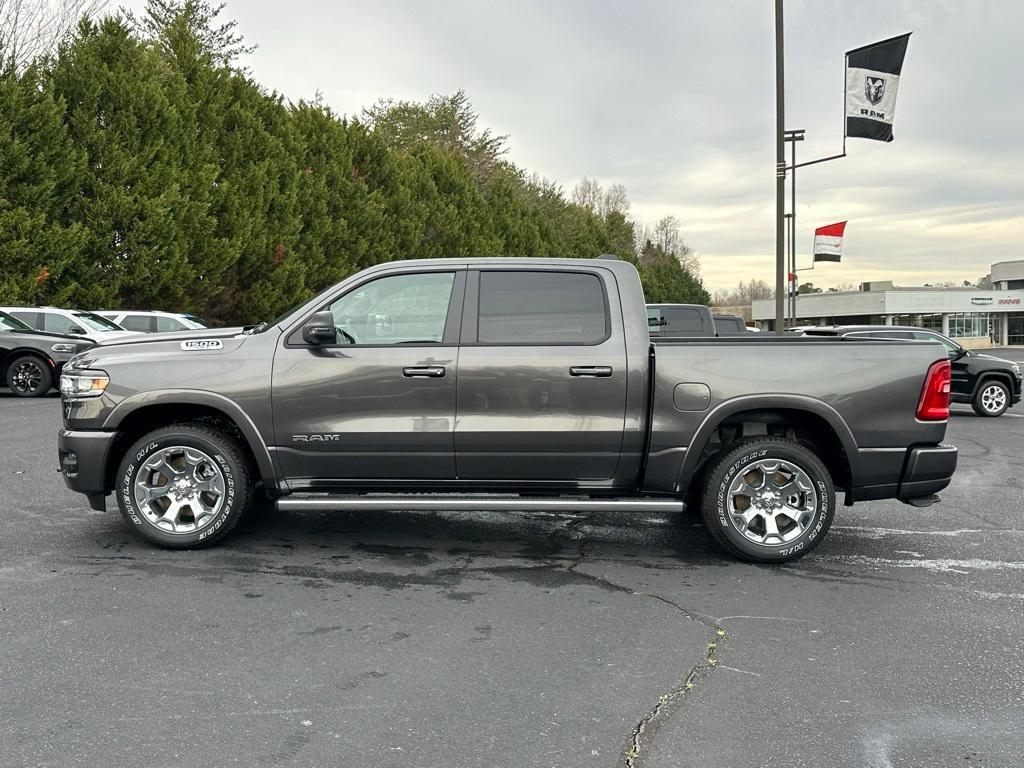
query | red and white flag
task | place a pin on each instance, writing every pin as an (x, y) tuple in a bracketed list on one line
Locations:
[(828, 242)]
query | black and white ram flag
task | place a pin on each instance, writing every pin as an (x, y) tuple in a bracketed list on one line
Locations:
[(872, 78)]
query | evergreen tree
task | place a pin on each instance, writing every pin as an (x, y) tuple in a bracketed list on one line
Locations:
[(140, 167)]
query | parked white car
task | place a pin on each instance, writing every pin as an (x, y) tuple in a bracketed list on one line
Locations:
[(153, 322), (73, 322)]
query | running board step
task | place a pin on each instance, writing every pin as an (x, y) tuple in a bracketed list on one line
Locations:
[(430, 503)]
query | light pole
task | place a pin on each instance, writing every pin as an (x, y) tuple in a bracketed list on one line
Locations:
[(780, 172)]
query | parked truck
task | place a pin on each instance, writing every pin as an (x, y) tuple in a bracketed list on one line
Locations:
[(502, 384)]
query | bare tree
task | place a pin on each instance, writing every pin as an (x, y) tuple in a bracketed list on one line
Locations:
[(32, 28), (743, 294), (589, 194), (665, 235)]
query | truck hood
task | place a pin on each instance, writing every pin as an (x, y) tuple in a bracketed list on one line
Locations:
[(149, 338), (154, 347)]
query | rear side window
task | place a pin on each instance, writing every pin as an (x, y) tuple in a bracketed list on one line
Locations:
[(141, 323), (31, 319), (542, 308)]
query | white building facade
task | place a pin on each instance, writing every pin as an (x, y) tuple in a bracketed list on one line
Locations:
[(976, 317)]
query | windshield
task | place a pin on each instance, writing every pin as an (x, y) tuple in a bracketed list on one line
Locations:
[(8, 323), (97, 323)]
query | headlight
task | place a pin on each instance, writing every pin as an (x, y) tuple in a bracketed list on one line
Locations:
[(1016, 368), (63, 347), (83, 383)]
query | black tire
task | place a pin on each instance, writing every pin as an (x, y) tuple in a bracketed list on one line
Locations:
[(29, 376), (226, 457), (991, 399), (724, 470)]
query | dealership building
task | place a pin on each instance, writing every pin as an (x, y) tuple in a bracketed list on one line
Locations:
[(991, 315)]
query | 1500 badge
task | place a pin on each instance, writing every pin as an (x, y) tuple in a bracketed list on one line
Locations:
[(191, 346)]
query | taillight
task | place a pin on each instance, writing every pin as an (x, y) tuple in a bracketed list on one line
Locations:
[(934, 402)]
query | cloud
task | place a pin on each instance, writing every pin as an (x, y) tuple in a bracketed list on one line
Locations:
[(676, 101)]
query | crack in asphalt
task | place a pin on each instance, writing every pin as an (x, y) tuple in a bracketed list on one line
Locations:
[(646, 727)]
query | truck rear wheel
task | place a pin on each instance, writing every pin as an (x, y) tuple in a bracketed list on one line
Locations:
[(768, 500), (184, 486)]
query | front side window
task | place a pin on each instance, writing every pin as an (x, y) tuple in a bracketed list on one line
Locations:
[(54, 323), (399, 309), (541, 308), (164, 324), (11, 323), (925, 336)]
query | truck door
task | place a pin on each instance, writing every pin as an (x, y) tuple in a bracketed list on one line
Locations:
[(380, 402), (542, 375)]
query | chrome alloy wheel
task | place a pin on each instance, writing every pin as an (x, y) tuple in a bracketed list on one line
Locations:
[(771, 501), (180, 489), (993, 398), (27, 376)]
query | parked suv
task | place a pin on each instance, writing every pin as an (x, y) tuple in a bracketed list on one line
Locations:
[(30, 361), (990, 384), (71, 322), (153, 322)]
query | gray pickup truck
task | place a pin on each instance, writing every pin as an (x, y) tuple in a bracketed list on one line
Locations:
[(502, 384)]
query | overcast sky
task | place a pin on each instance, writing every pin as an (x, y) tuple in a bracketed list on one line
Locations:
[(675, 100)]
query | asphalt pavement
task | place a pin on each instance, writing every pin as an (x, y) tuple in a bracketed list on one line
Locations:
[(450, 640)]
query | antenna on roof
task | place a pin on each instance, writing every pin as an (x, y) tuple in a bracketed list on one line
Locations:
[(607, 257)]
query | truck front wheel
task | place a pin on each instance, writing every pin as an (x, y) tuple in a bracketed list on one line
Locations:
[(768, 500), (184, 486)]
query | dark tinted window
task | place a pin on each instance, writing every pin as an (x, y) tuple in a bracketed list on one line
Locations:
[(730, 325), (680, 321), (141, 323), (31, 319), (541, 308)]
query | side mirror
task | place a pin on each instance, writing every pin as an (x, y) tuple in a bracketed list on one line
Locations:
[(957, 353), (319, 329), (74, 330)]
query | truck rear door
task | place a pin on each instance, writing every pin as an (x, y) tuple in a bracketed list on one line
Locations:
[(541, 391)]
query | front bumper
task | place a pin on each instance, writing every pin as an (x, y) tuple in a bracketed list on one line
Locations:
[(927, 470), (83, 462)]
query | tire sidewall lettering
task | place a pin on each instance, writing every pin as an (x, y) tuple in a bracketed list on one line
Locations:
[(131, 470)]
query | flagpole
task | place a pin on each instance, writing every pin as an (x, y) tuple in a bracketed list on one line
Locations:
[(780, 171)]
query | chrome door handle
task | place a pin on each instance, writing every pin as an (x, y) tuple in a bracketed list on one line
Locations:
[(598, 371), (428, 371)]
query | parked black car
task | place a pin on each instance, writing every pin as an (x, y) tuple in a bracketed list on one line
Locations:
[(31, 360), (990, 384)]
